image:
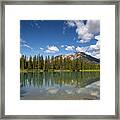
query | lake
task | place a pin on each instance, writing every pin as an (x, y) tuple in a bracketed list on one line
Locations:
[(60, 86)]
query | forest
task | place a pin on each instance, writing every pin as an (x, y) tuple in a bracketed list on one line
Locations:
[(56, 63)]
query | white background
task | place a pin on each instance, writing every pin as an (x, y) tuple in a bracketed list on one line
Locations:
[(15, 106)]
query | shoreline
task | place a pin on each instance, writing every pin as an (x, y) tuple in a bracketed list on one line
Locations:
[(25, 71)]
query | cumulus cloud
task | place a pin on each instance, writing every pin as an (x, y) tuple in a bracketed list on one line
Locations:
[(93, 50), (86, 31), (70, 23), (83, 34), (93, 26), (70, 48), (52, 49), (90, 50), (84, 41), (81, 49)]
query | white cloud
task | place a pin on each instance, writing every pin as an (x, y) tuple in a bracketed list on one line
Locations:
[(97, 37), (41, 48), (70, 48), (83, 41), (96, 47), (27, 46), (52, 49), (62, 46), (86, 31), (81, 49), (23, 43), (93, 26), (83, 32), (70, 23), (95, 54), (93, 50)]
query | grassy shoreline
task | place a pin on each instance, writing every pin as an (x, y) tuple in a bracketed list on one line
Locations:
[(58, 71)]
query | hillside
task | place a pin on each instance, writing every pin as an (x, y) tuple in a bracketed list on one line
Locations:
[(81, 55)]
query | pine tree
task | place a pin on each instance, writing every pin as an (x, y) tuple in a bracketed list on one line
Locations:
[(25, 62), (45, 66), (64, 63), (48, 62), (78, 63), (52, 63), (73, 65), (34, 62), (30, 64), (61, 62), (42, 62), (57, 63), (22, 62)]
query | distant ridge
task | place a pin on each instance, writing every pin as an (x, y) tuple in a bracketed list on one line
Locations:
[(90, 57), (83, 55)]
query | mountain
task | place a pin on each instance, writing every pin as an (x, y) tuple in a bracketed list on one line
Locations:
[(81, 55), (93, 59)]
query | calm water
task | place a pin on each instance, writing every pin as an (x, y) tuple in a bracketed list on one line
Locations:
[(59, 85)]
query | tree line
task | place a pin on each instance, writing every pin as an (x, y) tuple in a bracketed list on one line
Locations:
[(38, 62)]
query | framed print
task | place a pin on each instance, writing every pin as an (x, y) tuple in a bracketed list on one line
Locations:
[(59, 59)]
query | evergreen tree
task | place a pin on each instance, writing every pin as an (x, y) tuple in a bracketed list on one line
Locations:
[(30, 64), (61, 62), (48, 62), (41, 62), (45, 66), (52, 63), (22, 62), (57, 63), (34, 62), (73, 65), (78, 63)]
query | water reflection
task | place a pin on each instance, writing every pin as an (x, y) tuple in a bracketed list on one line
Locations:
[(59, 79), (59, 85)]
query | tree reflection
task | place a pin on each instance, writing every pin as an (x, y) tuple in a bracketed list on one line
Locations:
[(51, 79)]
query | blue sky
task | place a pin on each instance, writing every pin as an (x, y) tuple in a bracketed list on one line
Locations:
[(56, 37)]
